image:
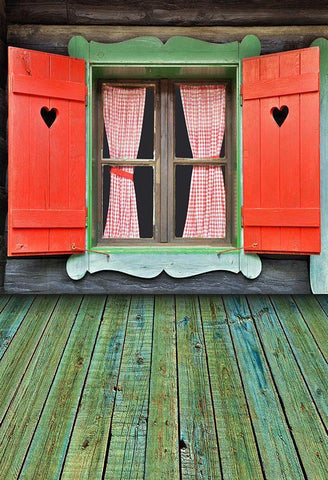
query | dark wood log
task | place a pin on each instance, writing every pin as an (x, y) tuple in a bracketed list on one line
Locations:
[(21, 11), (48, 275), (168, 12), (3, 113), (3, 25), (54, 39), (3, 64), (2, 259), (3, 159), (3, 209)]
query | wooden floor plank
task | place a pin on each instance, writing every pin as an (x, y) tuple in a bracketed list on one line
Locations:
[(11, 317), (22, 346), (199, 451), (238, 450), (316, 320), (89, 389), (278, 454), (87, 450), (303, 418), (162, 457), (126, 453), (49, 445), (4, 299), (19, 424), (309, 358), (323, 301)]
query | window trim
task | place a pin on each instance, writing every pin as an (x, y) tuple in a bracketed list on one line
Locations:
[(150, 58)]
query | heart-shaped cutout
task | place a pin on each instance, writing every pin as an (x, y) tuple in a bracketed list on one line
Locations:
[(280, 114), (49, 116)]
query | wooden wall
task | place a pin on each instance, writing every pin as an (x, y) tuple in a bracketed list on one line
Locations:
[(168, 12), (54, 38), (3, 137), (48, 26)]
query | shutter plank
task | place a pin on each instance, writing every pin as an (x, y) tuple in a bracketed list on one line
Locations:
[(289, 154), (310, 149), (308, 82), (59, 145), (251, 143), (269, 140), (282, 217), (48, 88), (59, 218)]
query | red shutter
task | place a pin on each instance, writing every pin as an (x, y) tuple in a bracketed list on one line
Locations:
[(281, 165), (46, 167)]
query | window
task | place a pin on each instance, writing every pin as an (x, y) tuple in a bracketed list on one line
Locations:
[(264, 164), (166, 163)]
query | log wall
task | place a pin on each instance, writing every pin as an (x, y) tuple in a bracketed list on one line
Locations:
[(168, 12), (3, 137), (48, 26), (54, 38)]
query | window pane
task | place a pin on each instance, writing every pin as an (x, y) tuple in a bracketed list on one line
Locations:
[(146, 145), (182, 189), (200, 201), (203, 129), (127, 202)]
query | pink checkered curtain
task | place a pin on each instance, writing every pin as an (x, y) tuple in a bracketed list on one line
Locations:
[(123, 116), (204, 110)]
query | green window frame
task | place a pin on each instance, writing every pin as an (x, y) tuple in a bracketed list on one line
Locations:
[(148, 58)]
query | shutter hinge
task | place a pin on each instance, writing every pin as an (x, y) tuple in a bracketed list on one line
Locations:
[(86, 96), (86, 217), (241, 95), (242, 216)]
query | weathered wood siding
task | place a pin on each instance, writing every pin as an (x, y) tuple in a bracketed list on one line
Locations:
[(3, 136), (48, 26), (169, 12), (44, 275), (54, 38)]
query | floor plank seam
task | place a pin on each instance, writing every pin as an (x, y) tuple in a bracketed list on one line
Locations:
[(47, 396), (210, 385), (82, 389), (149, 386), (244, 392), (178, 389), (30, 359), (106, 456), (319, 301), (300, 368), (19, 326), (282, 405), (308, 327), (6, 302)]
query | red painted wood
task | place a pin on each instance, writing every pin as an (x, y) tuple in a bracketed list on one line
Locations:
[(308, 82), (46, 168), (281, 165), (48, 88), (51, 218), (281, 217)]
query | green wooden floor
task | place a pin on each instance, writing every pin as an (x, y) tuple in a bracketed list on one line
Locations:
[(163, 387)]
